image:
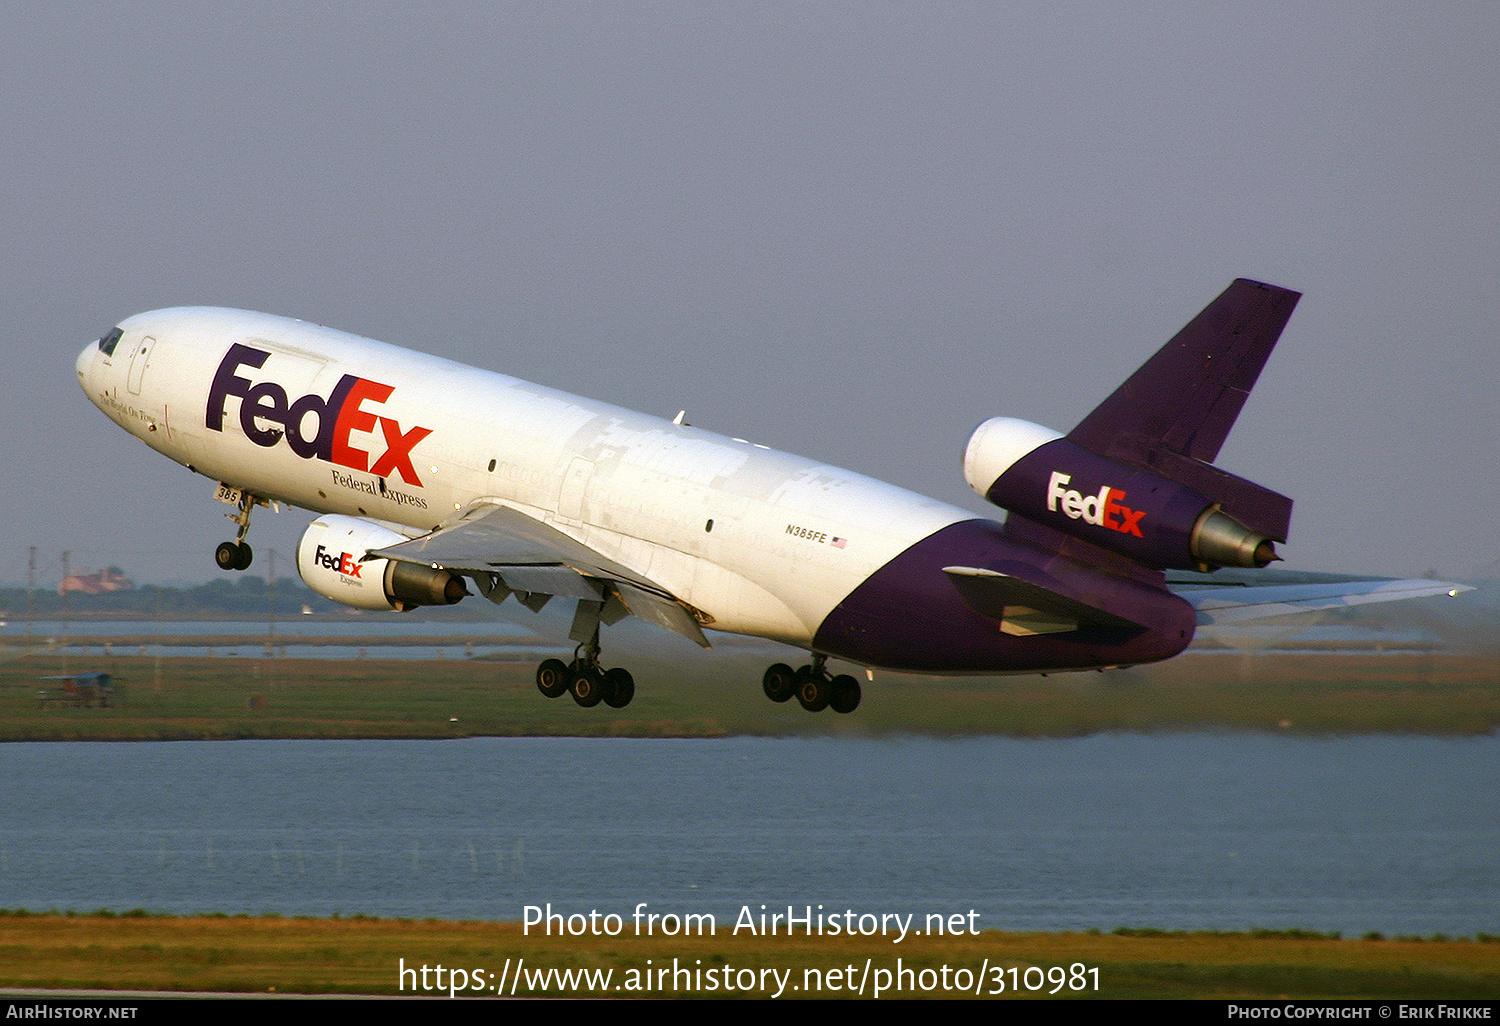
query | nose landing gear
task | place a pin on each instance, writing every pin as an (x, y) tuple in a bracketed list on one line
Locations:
[(236, 555)]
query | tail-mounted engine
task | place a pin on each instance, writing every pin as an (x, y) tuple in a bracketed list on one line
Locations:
[(331, 560), (1185, 515)]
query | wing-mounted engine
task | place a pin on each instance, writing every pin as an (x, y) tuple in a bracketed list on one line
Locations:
[(333, 559)]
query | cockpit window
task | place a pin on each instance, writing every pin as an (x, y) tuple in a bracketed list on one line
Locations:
[(108, 342)]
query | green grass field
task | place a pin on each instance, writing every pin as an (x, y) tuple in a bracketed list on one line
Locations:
[(363, 956), (245, 697)]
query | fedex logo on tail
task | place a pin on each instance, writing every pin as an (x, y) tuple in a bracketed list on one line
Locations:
[(344, 412), (1104, 509)]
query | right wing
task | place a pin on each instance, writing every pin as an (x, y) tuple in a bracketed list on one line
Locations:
[(507, 551)]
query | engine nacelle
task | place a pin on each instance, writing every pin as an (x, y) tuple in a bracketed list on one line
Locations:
[(997, 445), (330, 558), (1041, 475)]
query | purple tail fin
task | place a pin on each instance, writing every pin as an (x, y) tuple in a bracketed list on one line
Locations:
[(1187, 396), (1172, 415)]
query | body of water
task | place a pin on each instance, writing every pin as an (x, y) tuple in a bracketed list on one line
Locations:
[(1397, 835)]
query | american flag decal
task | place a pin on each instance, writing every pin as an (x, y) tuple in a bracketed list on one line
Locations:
[(838, 543)]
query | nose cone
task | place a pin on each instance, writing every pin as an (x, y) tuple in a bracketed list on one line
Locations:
[(86, 363), (89, 374)]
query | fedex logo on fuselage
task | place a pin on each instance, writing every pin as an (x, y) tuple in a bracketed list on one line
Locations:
[(1103, 509), (341, 414), (343, 563)]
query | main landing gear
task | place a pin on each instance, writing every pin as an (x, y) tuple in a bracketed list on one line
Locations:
[(813, 686), (236, 555), (582, 677), (589, 683)]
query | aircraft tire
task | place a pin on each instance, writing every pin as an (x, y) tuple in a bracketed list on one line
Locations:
[(780, 683), (619, 688), (244, 558), (814, 693), (845, 694), (587, 686), (227, 556), (552, 678)]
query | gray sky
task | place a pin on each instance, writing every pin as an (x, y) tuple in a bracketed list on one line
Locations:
[(851, 231)]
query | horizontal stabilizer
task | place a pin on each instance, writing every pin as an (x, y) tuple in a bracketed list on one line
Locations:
[(1023, 608), (1238, 604)]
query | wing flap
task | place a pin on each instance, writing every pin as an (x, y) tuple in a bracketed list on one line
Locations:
[(662, 612), (558, 581), (536, 560), (491, 538)]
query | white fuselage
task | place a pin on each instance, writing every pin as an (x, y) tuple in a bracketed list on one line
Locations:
[(762, 542)]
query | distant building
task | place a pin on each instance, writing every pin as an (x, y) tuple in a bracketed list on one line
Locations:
[(113, 579)]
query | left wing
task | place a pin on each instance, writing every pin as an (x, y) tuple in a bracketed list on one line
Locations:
[(507, 551)]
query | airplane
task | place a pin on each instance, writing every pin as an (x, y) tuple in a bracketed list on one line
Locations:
[(428, 475)]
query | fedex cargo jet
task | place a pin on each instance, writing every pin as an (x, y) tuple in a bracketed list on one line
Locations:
[(430, 476)]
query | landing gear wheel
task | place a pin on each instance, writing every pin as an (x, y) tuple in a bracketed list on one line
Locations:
[(619, 688), (587, 686), (814, 692), (845, 694), (779, 682), (233, 556), (552, 678)]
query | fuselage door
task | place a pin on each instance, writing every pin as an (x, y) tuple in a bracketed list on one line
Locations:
[(140, 356), (571, 493)]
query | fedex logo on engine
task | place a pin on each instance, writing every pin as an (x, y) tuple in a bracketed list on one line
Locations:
[(343, 563), (266, 416), (1103, 509)]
